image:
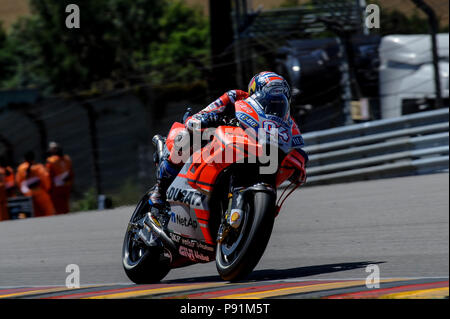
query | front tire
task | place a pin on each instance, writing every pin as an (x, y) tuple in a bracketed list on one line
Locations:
[(142, 264), (235, 260)]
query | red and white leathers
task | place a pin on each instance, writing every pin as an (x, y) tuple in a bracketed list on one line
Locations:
[(168, 168), (223, 105)]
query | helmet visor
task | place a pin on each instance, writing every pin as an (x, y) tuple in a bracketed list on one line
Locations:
[(275, 104)]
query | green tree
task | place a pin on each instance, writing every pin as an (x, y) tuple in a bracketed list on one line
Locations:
[(183, 47), (118, 43), (8, 61)]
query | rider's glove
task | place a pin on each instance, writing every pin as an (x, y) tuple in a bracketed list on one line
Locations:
[(209, 119), (205, 120)]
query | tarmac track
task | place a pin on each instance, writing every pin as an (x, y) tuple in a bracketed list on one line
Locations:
[(322, 242)]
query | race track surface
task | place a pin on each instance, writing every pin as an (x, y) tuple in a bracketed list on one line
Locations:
[(323, 240)]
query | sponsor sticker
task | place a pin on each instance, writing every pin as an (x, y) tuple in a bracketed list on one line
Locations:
[(191, 198), (192, 254), (191, 243), (247, 119), (183, 221)]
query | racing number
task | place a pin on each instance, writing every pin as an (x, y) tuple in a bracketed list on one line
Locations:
[(270, 127)]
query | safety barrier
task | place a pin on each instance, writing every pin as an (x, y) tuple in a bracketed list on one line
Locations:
[(407, 145)]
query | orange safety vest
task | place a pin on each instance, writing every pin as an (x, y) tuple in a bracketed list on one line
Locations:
[(60, 170), (61, 174), (35, 181)]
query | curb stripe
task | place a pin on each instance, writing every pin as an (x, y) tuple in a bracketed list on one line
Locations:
[(420, 294), (149, 292), (17, 290), (105, 291), (261, 288), (398, 288), (378, 292), (33, 292), (296, 290), (292, 290)]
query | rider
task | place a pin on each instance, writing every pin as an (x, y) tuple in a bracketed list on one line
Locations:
[(209, 117)]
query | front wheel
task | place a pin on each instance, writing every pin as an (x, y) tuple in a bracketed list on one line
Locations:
[(241, 250), (142, 264)]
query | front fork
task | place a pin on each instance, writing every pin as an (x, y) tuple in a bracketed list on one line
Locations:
[(234, 214)]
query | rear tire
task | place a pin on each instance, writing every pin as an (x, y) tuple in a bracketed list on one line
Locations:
[(143, 264), (256, 231)]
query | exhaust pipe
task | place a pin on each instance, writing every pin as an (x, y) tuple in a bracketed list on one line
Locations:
[(160, 233)]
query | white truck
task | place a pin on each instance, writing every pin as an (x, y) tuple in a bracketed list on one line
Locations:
[(406, 74)]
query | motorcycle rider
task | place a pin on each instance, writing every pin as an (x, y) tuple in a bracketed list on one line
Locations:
[(209, 116)]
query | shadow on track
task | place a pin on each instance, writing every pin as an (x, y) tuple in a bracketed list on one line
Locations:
[(279, 274)]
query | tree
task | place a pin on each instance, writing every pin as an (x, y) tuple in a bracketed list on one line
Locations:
[(184, 45), (119, 42), (6, 60)]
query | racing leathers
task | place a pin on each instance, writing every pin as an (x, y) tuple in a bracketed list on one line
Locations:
[(209, 116)]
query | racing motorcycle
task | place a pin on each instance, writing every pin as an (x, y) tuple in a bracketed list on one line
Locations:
[(216, 210)]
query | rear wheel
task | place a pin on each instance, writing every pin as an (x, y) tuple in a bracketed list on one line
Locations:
[(141, 263), (242, 249)]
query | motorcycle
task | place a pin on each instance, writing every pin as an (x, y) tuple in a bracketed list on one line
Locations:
[(216, 210)]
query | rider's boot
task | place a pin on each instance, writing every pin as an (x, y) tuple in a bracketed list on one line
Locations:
[(157, 195)]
